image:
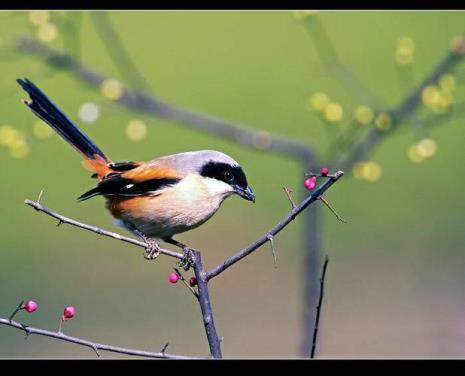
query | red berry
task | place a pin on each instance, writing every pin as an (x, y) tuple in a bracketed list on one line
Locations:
[(68, 313), (324, 171), (173, 278), (192, 281), (310, 183), (30, 306)]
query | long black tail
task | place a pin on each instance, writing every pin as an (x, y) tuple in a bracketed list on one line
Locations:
[(45, 109)]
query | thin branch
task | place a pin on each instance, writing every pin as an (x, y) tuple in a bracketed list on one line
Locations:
[(93, 345), (276, 229), (62, 219), (318, 308), (205, 306)]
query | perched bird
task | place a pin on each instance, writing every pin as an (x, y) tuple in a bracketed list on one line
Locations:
[(156, 199)]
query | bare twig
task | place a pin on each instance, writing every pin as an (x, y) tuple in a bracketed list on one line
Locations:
[(62, 219), (318, 308), (202, 276), (288, 192), (93, 345), (276, 229), (324, 201)]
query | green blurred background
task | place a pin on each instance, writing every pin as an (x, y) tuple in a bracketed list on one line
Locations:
[(396, 275)]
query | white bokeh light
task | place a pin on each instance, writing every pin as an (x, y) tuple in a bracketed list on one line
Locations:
[(89, 112)]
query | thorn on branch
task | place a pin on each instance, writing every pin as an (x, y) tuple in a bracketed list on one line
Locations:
[(288, 192), (332, 210), (40, 196), (96, 350), (163, 350), (273, 250)]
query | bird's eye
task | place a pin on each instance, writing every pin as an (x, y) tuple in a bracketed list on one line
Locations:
[(228, 176)]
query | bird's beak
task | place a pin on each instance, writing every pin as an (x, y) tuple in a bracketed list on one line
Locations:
[(245, 193)]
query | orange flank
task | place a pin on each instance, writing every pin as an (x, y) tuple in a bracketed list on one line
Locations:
[(148, 171)]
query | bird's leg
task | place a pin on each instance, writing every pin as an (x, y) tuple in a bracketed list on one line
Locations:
[(186, 261), (152, 251)]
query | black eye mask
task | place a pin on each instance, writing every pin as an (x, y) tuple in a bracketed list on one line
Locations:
[(232, 175)]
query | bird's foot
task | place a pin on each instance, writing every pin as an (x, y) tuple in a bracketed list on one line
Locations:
[(187, 260), (152, 249)]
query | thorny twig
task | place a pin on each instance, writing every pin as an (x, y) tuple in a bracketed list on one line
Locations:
[(201, 275), (93, 345), (318, 308)]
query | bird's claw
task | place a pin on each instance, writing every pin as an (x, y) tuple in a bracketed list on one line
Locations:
[(152, 251), (187, 261)]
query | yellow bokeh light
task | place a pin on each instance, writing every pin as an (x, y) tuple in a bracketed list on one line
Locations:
[(47, 32), (318, 101), (38, 17), (112, 89), (438, 100), (136, 130), (333, 112), (403, 59), (404, 51), (447, 82), (430, 95), (373, 171), (364, 115), (414, 155), (9, 135), (426, 148), (406, 42), (41, 130), (369, 171), (358, 170), (20, 151), (383, 121)]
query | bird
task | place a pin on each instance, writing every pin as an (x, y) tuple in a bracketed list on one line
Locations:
[(156, 199)]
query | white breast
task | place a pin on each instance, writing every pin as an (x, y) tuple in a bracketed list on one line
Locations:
[(182, 207)]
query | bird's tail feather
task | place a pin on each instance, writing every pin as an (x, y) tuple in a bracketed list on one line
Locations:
[(46, 110)]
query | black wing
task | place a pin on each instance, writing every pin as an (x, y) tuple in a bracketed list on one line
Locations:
[(116, 185)]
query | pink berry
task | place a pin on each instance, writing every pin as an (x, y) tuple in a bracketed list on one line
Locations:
[(173, 278), (192, 281), (30, 306), (310, 183), (68, 313), (324, 171)]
